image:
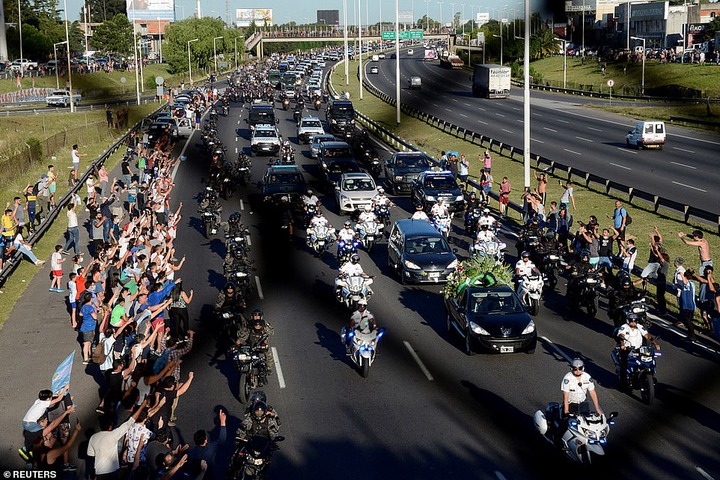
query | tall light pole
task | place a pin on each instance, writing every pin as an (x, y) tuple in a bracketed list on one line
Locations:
[(135, 53), (160, 39), (22, 70), (441, 17), (427, 15), (142, 71), (583, 29), (360, 50), (57, 66), (86, 16), (236, 64), (215, 51), (397, 62), (526, 98), (564, 47), (463, 23), (501, 44), (345, 43), (67, 44), (627, 24), (642, 85), (190, 64), (452, 14)]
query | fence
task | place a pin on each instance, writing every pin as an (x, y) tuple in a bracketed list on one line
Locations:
[(589, 180), (12, 263)]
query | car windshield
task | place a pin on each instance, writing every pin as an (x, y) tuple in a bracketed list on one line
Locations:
[(265, 134), (444, 183), (344, 167), (285, 179), (358, 184), (424, 245), (312, 123), (496, 303), (407, 161), (322, 138), (340, 152)]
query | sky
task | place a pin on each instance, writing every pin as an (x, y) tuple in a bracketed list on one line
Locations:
[(285, 11)]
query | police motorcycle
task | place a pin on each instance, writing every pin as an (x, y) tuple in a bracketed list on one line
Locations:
[(549, 265), (361, 347), (243, 164), (442, 223), (317, 102), (252, 456), (582, 292), (492, 248), (640, 371), (356, 288), (213, 115), (320, 238), (382, 212), (285, 103), (471, 221), (287, 154), (237, 270), (369, 231), (531, 292), (209, 214), (581, 436), (251, 366), (346, 249)]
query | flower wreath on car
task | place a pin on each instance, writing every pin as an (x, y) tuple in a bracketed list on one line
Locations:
[(477, 271)]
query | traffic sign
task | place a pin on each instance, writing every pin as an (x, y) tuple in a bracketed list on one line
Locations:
[(610, 83), (123, 79), (404, 35), (159, 80)]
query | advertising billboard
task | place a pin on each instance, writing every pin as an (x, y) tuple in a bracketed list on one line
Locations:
[(150, 10), (481, 18), (328, 17), (261, 16)]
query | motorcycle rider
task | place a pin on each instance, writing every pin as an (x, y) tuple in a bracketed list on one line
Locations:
[(578, 270), (287, 151), (310, 199), (487, 219), (548, 243), (367, 215), (440, 210), (622, 295), (381, 199), (531, 229), (419, 214), (210, 202), (346, 234), (349, 269), (229, 300), (361, 320), (260, 421), (630, 336), (234, 225), (316, 221), (524, 267), (576, 385), (259, 332)]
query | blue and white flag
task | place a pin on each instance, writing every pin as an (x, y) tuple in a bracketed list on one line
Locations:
[(61, 377)]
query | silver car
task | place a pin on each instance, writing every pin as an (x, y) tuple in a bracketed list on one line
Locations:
[(317, 140), (354, 192)]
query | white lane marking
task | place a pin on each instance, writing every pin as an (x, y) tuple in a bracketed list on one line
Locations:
[(248, 240), (584, 139), (448, 110), (683, 165), (620, 166), (455, 100), (499, 114), (242, 204), (626, 150), (572, 151), (534, 140), (683, 150), (435, 105), (506, 130), (236, 150), (689, 186), (467, 104), (499, 475), (237, 138), (550, 129), (594, 129), (259, 288), (537, 114), (278, 369), (557, 349), (418, 361), (481, 108), (463, 115), (516, 108), (704, 474), (561, 120), (484, 123)]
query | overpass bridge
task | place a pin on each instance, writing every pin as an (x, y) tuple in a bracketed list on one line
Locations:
[(259, 38)]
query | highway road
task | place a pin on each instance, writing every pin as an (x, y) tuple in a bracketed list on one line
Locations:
[(564, 129), (427, 410)]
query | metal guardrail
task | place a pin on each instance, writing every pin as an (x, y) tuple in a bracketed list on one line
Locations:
[(16, 259), (590, 180)]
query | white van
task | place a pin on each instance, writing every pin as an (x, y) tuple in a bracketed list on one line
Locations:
[(183, 127), (647, 134), (376, 58)]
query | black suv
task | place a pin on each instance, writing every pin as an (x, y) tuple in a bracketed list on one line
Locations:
[(404, 167), (261, 113), (340, 115), (431, 186), (280, 180)]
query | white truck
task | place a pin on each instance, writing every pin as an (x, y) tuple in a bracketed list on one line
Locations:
[(491, 81), (61, 98)]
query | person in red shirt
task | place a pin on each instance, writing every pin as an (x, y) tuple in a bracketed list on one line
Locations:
[(504, 197)]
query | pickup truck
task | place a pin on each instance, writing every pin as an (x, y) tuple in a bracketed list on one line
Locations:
[(61, 98), (451, 61), (24, 63)]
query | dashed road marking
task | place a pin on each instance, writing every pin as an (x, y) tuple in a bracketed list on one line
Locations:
[(484, 123), (683, 165), (259, 288), (683, 150), (535, 140), (499, 114), (584, 139), (448, 110), (572, 151), (550, 129), (620, 166), (242, 204), (278, 369), (622, 149), (689, 186), (418, 361), (557, 349), (561, 120), (506, 130), (704, 474), (594, 129), (463, 115)]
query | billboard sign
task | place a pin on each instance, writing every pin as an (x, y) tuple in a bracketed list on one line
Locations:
[(261, 16), (482, 18), (150, 10), (404, 35), (405, 16)]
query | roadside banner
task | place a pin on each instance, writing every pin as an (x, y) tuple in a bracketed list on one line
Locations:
[(61, 377)]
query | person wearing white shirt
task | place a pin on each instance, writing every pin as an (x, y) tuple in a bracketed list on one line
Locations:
[(73, 231), (631, 336), (576, 387), (523, 268), (350, 269), (419, 214), (25, 248)]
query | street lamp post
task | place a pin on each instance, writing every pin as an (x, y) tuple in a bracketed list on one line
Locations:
[(463, 23), (360, 49), (427, 15), (397, 62), (57, 66), (22, 70), (441, 17), (160, 39), (67, 45), (190, 64), (345, 44), (142, 71), (236, 64), (526, 99), (452, 14), (215, 52), (642, 84), (501, 44), (135, 53), (564, 47)]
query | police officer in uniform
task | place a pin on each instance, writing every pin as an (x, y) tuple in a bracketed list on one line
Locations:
[(576, 386)]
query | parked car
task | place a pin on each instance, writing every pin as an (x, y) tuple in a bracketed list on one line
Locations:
[(491, 319)]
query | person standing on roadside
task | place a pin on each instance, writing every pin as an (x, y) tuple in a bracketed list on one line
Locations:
[(542, 185), (73, 231), (463, 169), (30, 195), (9, 224), (702, 245), (567, 196), (487, 161), (686, 299), (76, 157), (619, 218), (52, 184), (504, 197)]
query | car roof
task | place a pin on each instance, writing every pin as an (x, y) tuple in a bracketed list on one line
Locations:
[(335, 144), (280, 169), (416, 227), (264, 126), (354, 175), (310, 118), (410, 154)]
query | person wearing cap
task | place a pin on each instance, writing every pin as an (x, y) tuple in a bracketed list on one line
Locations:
[(631, 335), (361, 320), (419, 213), (576, 386), (381, 199), (310, 199)]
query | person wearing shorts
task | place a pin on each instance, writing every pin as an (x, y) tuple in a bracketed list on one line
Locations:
[(56, 261), (88, 317)]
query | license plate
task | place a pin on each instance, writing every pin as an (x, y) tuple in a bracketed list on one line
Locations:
[(506, 349), (433, 275)]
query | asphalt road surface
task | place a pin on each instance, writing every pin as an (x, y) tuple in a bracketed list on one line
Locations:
[(564, 129), (426, 411)]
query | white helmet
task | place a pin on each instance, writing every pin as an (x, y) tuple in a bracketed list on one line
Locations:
[(362, 301), (368, 208), (380, 190)]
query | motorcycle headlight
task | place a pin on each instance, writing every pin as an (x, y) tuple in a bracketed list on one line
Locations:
[(478, 329), (459, 198), (530, 328), (398, 178), (333, 121), (411, 265), (430, 198), (453, 265)]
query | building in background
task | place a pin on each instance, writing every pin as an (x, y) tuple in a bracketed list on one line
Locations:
[(328, 17), (261, 16)]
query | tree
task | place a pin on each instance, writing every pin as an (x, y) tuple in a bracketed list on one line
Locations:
[(103, 10), (114, 35), (177, 34), (711, 29), (543, 44)]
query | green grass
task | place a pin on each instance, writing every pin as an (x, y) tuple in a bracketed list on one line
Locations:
[(588, 201), (95, 145)]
